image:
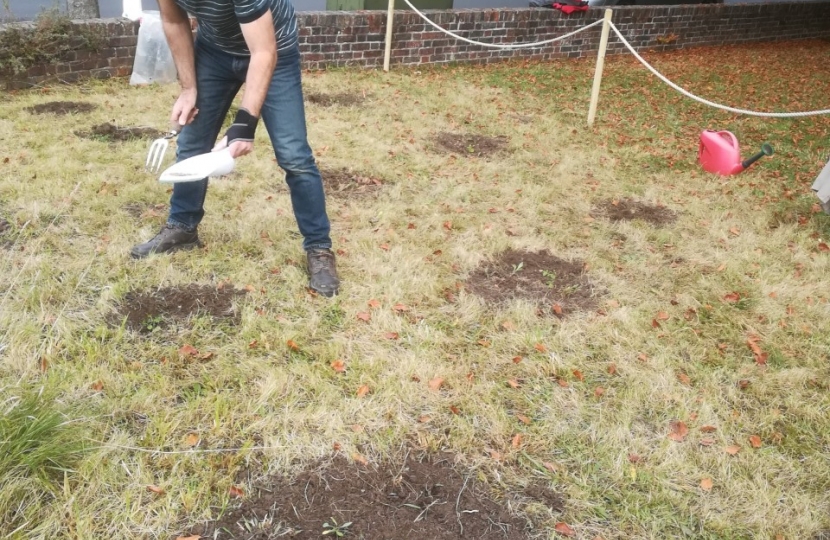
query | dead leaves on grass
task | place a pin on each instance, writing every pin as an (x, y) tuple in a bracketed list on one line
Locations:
[(679, 430)]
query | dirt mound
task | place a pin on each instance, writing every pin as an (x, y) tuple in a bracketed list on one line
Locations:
[(421, 498), (343, 99), (629, 210), (112, 133), (559, 286), (146, 311), (61, 108), (345, 183), (469, 144)]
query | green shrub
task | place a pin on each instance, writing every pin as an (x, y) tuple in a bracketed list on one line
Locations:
[(45, 41)]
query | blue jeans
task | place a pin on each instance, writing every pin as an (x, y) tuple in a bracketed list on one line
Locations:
[(219, 76)]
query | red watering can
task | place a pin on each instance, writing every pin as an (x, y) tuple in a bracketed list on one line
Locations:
[(719, 153)]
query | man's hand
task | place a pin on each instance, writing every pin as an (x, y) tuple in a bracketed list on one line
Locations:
[(240, 136), (238, 148), (184, 110)]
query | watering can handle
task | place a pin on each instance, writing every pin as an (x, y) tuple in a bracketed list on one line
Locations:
[(730, 136)]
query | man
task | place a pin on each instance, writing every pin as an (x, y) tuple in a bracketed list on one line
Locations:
[(253, 42)]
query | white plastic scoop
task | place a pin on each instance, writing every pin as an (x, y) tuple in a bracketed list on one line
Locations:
[(199, 167)]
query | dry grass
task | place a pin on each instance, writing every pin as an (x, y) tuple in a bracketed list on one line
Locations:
[(667, 324)]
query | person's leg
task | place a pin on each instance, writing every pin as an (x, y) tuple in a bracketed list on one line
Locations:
[(284, 116), (217, 85)]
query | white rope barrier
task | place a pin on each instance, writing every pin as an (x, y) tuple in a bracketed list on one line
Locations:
[(706, 101), (500, 45)]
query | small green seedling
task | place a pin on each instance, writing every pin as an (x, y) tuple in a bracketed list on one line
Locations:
[(518, 267), (550, 278), (337, 530), (152, 322)]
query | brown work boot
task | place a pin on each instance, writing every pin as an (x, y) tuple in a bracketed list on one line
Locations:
[(322, 270), (169, 239)]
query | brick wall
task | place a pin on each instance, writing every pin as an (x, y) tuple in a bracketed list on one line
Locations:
[(356, 38)]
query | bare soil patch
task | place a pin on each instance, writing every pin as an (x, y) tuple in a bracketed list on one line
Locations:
[(557, 285), (61, 108), (145, 311), (629, 210), (343, 99), (470, 144), (112, 133), (349, 184), (421, 498)]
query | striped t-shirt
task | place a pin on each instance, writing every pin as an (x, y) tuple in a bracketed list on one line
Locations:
[(219, 21)]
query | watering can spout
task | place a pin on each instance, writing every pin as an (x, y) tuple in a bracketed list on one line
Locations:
[(720, 153), (766, 150)]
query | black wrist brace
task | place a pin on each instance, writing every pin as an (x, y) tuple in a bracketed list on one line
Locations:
[(243, 127)]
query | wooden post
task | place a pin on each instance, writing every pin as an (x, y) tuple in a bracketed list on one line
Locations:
[(390, 16), (603, 44)]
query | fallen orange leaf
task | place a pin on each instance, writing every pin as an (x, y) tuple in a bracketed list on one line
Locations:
[(578, 374), (192, 439), (708, 429), (374, 304), (454, 409), (557, 309), (436, 383), (155, 489), (523, 419), (292, 345), (98, 386), (517, 359), (755, 441), (564, 529), (517, 440), (188, 350), (683, 378), (400, 307), (339, 366), (732, 449), (732, 297), (706, 484), (612, 369), (193, 537), (362, 391), (513, 383), (236, 492), (598, 391), (540, 347), (679, 430), (662, 316), (424, 419), (391, 335), (363, 316), (360, 459)]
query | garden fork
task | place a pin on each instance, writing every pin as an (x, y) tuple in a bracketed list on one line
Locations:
[(155, 157)]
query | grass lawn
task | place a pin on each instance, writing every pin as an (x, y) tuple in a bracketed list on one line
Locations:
[(579, 312)]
